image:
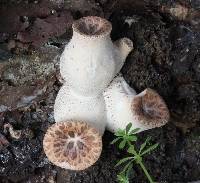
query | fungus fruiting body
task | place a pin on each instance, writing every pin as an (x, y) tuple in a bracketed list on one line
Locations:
[(90, 61), (118, 97), (145, 111), (72, 145), (149, 109), (89, 93), (69, 106), (125, 46)]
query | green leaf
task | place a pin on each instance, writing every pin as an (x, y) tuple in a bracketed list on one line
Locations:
[(122, 178), (134, 130), (144, 144), (128, 127), (123, 161), (142, 147), (148, 139), (151, 148), (120, 133), (129, 170), (122, 144), (115, 140), (131, 150), (132, 138), (127, 166)]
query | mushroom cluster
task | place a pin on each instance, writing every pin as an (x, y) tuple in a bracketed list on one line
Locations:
[(95, 96)]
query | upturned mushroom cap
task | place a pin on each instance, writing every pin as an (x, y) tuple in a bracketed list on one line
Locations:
[(145, 111), (92, 26), (72, 145), (149, 109)]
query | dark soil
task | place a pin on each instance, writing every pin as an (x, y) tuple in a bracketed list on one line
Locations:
[(166, 57)]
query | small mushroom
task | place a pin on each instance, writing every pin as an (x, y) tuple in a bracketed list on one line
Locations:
[(72, 145), (90, 60), (125, 46), (145, 111)]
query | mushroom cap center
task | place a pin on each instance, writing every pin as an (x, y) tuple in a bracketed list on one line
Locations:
[(92, 26), (72, 145), (149, 108)]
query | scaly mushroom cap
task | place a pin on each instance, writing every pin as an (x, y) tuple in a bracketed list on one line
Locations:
[(149, 108), (72, 145), (92, 26)]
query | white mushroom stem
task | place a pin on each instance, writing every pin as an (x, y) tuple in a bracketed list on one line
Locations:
[(125, 46), (145, 111), (69, 106), (90, 60), (89, 70), (118, 97)]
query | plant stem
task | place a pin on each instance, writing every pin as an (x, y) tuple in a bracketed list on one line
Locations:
[(146, 172), (142, 165)]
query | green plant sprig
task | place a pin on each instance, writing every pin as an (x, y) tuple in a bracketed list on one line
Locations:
[(126, 138)]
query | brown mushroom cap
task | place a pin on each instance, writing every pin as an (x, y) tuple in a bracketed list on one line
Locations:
[(72, 145), (149, 108), (92, 26)]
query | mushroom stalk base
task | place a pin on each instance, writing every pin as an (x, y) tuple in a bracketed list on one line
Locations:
[(69, 106)]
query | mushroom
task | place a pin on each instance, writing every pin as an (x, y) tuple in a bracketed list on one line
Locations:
[(145, 110), (125, 46), (69, 106), (88, 64), (72, 145), (91, 60)]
